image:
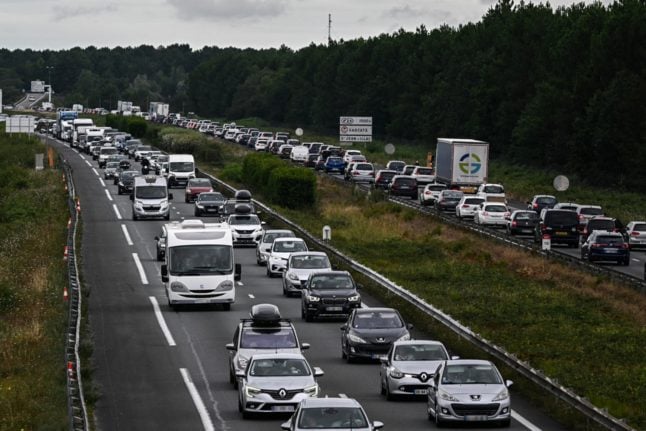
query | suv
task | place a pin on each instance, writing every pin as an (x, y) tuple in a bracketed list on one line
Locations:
[(606, 246), (403, 185), (209, 203), (599, 223), (586, 212), (329, 294), (245, 228), (263, 249), (560, 225), (383, 177), (264, 332), (430, 193)]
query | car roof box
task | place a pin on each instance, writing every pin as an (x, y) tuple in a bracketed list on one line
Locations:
[(242, 209), (243, 195), (265, 314)]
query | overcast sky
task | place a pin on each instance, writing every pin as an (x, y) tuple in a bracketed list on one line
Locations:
[(63, 24)]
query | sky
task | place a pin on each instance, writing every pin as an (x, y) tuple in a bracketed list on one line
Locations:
[(64, 24)]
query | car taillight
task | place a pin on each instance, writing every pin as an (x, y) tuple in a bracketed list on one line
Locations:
[(189, 191), (633, 233), (355, 173), (514, 223), (581, 217), (624, 246), (595, 245), (535, 205), (430, 193), (485, 213), (507, 214)]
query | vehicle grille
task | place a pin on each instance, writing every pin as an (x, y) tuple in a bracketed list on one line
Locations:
[(244, 232), (288, 396), (334, 301), (475, 409), (152, 208)]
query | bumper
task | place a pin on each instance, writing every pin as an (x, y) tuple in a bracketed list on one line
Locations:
[(603, 256), (407, 386), (464, 412), (193, 298), (276, 266), (267, 404), (494, 222), (151, 213), (319, 309), (293, 286), (246, 239), (368, 351)]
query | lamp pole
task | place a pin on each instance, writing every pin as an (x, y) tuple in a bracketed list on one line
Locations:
[(49, 71)]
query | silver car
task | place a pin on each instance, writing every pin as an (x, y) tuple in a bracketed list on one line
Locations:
[(468, 390), (636, 231), (299, 267), (409, 367), (281, 249), (264, 246), (276, 383), (342, 414)]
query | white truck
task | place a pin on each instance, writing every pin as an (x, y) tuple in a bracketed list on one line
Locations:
[(461, 164), (150, 198), (199, 264), (79, 126), (181, 168)]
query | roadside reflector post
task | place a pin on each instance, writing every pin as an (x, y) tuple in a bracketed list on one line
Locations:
[(327, 233), (546, 244)]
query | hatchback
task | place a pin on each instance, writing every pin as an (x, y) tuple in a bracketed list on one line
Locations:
[(279, 254), (447, 200), (586, 212), (468, 206), (522, 222), (599, 223), (362, 172), (264, 245), (383, 177), (396, 165), (299, 267), (403, 185), (430, 193), (195, 186), (539, 202), (342, 414), (606, 246), (334, 164), (424, 175), (209, 203), (491, 214), (636, 232)]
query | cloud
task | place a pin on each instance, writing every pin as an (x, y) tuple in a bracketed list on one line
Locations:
[(403, 12), (65, 12), (220, 10)]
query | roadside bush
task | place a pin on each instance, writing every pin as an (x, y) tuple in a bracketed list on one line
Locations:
[(136, 126), (232, 172), (292, 187)]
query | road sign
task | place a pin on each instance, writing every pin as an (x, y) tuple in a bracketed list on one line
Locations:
[(20, 124), (546, 243), (355, 130), (352, 138), (356, 121)]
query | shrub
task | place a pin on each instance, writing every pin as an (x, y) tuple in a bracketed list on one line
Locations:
[(292, 187), (232, 172)]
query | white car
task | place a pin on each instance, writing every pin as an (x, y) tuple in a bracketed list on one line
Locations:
[(423, 175), (339, 414), (468, 206), (491, 214), (492, 193), (246, 229), (264, 245), (299, 154), (349, 153), (636, 231), (430, 193), (261, 145), (280, 251), (299, 267)]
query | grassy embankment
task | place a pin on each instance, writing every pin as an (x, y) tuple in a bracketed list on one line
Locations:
[(583, 330), (33, 316)]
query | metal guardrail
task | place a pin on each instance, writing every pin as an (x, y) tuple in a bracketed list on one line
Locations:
[(597, 415), (77, 410)]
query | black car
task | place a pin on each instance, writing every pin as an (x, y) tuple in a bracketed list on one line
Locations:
[(370, 332), (522, 222), (539, 202), (601, 223), (383, 178), (126, 181), (403, 185), (209, 203), (329, 294), (606, 246), (562, 227), (448, 200)]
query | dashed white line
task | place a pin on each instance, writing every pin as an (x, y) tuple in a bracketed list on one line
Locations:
[(95, 172), (116, 211), (343, 396), (102, 182), (635, 260), (251, 296), (126, 234), (162, 322), (107, 193), (140, 267), (87, 163), (75, 150), (199, 404), (527, 424), (240, 283)]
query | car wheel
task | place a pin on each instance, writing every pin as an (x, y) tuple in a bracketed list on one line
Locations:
[(160, 257), (389, 395), (197, 213), (167, 216), (626, 262), (309, 317), (268, 272), (582, 255), (134, 216), (285, 292), (383, 387), (343, 354), (232, 377)]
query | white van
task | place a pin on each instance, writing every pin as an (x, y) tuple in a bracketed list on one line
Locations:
[(299, 154), (150, 198), (199, 264), (181, 168)]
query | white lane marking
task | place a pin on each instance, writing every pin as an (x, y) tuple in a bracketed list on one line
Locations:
[(240, 283), (140, 267), (107, 193), (88, 163), (343, 396), (75, 150), (199, 404), (251, 296), (102, 182), (126, 234), (364, 305), (95, 172), (635, 260), (162, 322), (116, 211), (524, 422)]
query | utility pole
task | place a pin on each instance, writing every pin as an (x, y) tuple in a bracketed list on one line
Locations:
[(329, 29), (49, 71)]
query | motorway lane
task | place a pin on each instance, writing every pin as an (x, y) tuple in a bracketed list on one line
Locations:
[(139, 372)]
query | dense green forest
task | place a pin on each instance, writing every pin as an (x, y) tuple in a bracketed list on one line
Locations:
[(561, 88)]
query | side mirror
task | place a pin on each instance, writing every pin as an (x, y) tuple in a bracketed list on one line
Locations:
[(384, 360), (377, 425), (305, 346), (409, 326), (240, 374), (237, 272), (508, 383), (156, 238), (230, 346), (343, 327), (262, 223), (164, 272), (318, 372), (170, 196)]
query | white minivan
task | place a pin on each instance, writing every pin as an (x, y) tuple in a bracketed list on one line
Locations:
[(150, 198), (199, 265), (299, 154), (181, 168)]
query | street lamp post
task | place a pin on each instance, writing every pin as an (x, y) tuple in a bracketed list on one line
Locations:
[(49, 71)]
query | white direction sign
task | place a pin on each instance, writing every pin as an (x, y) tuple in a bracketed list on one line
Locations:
[(355, 130), (355, 121), (352, 138)]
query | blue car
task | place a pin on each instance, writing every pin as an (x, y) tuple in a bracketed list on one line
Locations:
[(334, 164)]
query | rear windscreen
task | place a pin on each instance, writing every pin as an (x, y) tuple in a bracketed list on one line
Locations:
[(561, 217), (591, 211)]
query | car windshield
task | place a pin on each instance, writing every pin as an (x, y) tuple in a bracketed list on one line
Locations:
[(546, 200), (493, 189), (424, 171), (334, 159), (210, 197), (181, 166), (199, 182), (112, 165), (248, 219), (453, 195), (332, 418), (200, 259), (110, 150), (142, 148), (529, 215), (271, 236), (436, 187), (640, 227), (279, 367), (151, 192), (336, 281), (561, 217), (363, 167), (310, 262), (405, 181), (419, 352), (289, 246), (601, 225), (609, 239), (268, 338), (473, 201), (128, 175), (377, 320), (591, 211), (470, 374)]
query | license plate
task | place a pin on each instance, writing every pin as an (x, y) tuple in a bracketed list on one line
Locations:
[(527, 231), (211, 210), (561, 233), (421, 391), (611, 250), (334, 308), (282, 408), (475, 418), (377, 356)]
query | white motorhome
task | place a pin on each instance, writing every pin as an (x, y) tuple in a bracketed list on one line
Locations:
[(150, 198), (199, 264), (181, 168), (78, 124)]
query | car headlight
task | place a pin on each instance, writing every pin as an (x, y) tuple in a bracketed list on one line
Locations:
[(176, 286), (404, 337), (225, 285), (242, 362), (312, 391), (395, 373), (354, 298), (313, 298), (447, 396), (164, 205), (251, 392), (502, 395), (200, 205), (356, 339), (292, 276)]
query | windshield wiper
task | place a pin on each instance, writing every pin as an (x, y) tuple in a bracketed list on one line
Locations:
[(186, 273)]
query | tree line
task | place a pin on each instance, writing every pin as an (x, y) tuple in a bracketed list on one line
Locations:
[(560, 88)]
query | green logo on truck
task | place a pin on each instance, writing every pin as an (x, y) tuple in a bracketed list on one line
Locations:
[(470, 163)]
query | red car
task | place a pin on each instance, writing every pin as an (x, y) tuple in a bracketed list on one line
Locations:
[(195, 186)]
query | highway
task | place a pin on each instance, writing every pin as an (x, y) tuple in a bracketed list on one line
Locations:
[(159, 369)]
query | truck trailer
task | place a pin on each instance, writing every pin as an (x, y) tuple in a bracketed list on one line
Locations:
[(461, 164)]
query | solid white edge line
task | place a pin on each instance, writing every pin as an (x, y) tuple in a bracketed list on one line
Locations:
[(107, 193), (199, 404), (162, 322), (635, 260), (524, 422), (126, 234), (140, 267), (251, 296), (116, 211), (95, 172), (102, 182)]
